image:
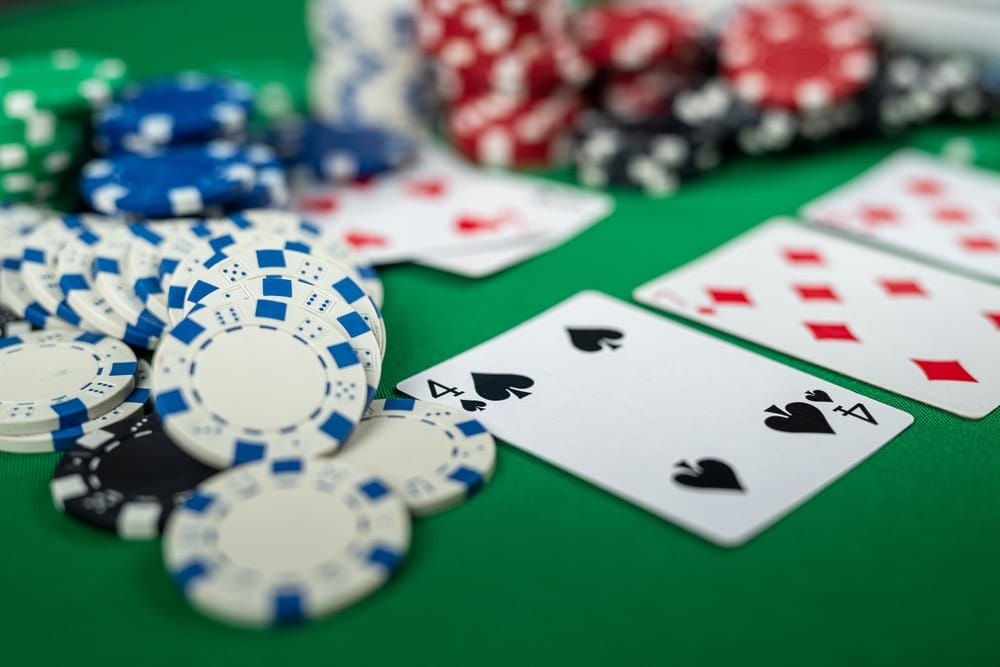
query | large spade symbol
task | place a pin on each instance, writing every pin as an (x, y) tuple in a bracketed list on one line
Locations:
[(595, 340), (798, 418), (501, 387)]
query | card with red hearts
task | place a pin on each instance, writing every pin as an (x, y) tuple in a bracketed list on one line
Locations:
[(911, 328)]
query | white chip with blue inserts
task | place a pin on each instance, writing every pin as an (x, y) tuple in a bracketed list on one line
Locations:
[(58, 441), (327, 308), (52, 380), (326, 274), (257, 379), (432, 455), (280, 542)]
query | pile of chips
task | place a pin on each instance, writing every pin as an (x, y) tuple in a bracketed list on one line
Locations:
[(268, 350), (175, 147), (46, 101), (368, 91), (509, 75)]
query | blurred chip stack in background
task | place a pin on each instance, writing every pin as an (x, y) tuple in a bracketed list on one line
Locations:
[(509, 76), (46, 100)]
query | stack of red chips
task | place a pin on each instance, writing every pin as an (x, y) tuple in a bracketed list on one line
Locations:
[(645, 53), (510, 76)]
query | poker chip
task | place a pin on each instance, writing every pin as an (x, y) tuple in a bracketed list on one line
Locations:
[(432, 456), (127, 479), (384, 27), (63, 439), (327, 308), (19, 298), (142, 269), (215, 250), (52, 380), (343, 153), (328, 275), (64, 81), (74, 274), (798, 54), (187, 108), (110, 280), (504, 131), (335, 535), (179, 181), (39, 262), (257, 379), (630, 37)]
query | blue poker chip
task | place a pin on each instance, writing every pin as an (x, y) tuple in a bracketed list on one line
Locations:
[(270, 184), (180, 181), (339, 153), (184, 109)]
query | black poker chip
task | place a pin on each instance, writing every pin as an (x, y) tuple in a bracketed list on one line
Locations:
[(12, 324), (126, 479)]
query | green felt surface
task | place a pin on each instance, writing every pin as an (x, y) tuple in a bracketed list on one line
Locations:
[(896, 563)]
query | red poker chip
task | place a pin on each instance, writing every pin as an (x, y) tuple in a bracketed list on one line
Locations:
[(459, 31), (635, 36), (507, 131), (798, 55), (535, 67)]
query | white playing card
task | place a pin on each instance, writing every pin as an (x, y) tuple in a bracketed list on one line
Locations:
[(429, 206), (717, 439), (919, 331), (939, 211), (565, 212)]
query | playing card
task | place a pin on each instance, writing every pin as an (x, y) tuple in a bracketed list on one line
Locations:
[(898, 324), (563, 210), (432, 205), (939, 211), (717, 439)]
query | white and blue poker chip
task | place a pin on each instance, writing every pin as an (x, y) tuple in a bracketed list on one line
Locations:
[(257, 379), (327, 274), (179, 181), (187, 108), (342, 153), (53, 380), (434, 456), (67, 438), (335, 535)]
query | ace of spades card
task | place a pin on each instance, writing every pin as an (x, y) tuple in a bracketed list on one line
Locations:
[(712, 437)]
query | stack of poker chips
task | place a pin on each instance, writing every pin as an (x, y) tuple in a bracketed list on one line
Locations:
[(368, 92), (46, 101), (175, 146), (509, 75), (775, 77)]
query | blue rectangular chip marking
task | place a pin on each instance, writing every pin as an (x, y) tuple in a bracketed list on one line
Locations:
[(186, 331), (175, 296), (123, 368), (146, 286), (170, 403), (471, 427), (90, 337), (385, 557), (13, 340), (348, 289), (248, 451), (274, 286), (107, 265), (298, 247), (199, 291), (337, 427), (190, 573), (66, 439), (471, 479), (33, 255), (343, 355), (288, 607), (353, 324), (72, 281), (285, 466), (272, 310), (71, 413), (199, 502), (267, 259), (400, 404), (373, 489), (145, 233)]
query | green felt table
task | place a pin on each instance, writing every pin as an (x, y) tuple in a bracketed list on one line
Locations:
[(896, 563)]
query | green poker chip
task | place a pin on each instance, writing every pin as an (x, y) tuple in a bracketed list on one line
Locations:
[(64, 145), (35, 129), (279, 87), (61, 81)]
